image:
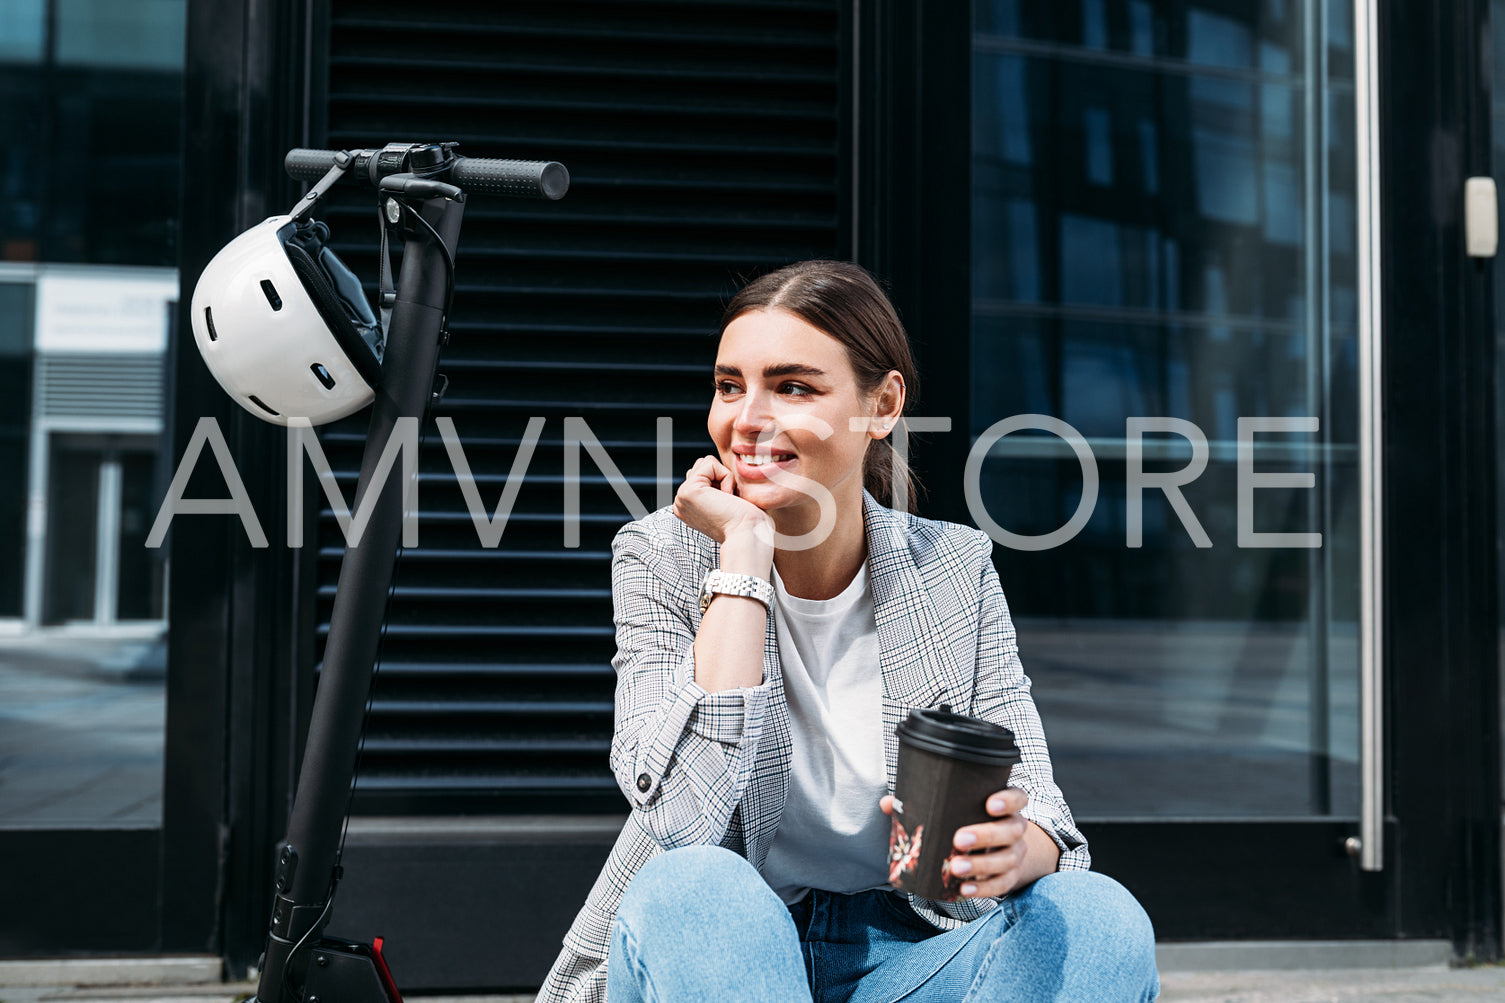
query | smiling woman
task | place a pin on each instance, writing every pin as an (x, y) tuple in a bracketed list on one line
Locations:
[(863, 345), (773, 627), (783, 417)]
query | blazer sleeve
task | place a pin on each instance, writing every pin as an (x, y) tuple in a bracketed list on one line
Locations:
[(1002, 694), (682, 756)]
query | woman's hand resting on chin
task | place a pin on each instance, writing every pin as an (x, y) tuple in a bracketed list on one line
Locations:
[(707, 501), (729, 644)]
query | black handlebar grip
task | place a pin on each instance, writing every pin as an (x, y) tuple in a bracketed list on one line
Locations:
[(535, 179), (308, 165), (529, 179)]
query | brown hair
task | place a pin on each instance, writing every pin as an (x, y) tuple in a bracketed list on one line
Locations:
[(844, 301)]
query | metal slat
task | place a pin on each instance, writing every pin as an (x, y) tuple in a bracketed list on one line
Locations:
[(703, 142), (520, 68)]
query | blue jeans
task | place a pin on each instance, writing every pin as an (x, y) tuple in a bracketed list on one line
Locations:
[(699, 923)]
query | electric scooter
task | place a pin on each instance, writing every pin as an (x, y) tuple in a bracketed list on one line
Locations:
[(423, 188)]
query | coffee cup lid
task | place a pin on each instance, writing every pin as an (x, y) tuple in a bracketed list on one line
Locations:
[(958, 736)]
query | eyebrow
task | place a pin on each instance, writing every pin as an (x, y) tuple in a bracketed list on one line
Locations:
[(769, 372)]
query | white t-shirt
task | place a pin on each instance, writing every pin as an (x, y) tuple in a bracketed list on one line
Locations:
[(831, 834)]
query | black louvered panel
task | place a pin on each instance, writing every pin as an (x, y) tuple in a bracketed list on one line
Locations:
[(702, 139)]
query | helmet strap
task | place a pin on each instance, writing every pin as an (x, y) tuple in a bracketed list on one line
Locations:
[(387, 291), (342, 162)]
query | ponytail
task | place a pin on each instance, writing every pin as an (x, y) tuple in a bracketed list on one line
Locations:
[(883, 468)]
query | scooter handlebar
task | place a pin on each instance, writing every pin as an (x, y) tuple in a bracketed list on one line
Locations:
[(537, 179)]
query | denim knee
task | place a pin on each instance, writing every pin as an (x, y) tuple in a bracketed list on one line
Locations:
[(711, 874), (1095, 906), (700, 923)]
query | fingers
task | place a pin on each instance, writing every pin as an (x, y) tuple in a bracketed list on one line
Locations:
[(985, 836), (707, 500), (1007, 801), (696, 478), (702, 471), (989, 874), (708, 471), (1004, 804), (728, 482), (991, 854)]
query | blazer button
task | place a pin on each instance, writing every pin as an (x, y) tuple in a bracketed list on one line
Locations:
[(644, 782)]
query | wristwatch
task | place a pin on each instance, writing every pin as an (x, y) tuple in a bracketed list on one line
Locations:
[(720, 583)]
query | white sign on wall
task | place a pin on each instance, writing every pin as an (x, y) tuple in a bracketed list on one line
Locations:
[(113, 312)]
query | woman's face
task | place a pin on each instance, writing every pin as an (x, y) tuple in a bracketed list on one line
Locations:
[(786, 382)]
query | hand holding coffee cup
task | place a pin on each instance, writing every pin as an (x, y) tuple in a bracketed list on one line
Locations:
[(951, 785)]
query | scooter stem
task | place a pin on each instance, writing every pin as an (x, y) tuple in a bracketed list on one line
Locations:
[(306, 869)]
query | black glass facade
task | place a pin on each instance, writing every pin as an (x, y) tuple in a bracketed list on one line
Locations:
[(1163, 259), (91, 108), (16, 306), (1140, 248)]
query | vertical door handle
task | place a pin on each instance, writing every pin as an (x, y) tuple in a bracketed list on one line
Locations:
[(1370, 846)]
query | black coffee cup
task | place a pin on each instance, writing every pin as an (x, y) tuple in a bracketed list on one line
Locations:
[(949, 764)]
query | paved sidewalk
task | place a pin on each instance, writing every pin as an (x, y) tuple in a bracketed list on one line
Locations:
[(221, 992), (1420, 985), (82, 722)]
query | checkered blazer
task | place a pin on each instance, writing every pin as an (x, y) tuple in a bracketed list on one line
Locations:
[(713, 768)]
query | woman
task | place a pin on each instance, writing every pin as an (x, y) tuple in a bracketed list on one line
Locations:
[(773, 628)]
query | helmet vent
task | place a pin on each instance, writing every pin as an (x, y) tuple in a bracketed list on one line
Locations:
[(261, 404), (209, 324), (271, 294), (323, 375)]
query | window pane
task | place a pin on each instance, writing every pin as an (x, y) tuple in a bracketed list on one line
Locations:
[(23, 31), (15, 430), (141, 34), (1163, 256), (90, 176)]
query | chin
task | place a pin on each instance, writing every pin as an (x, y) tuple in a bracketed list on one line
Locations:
[(768, 497)]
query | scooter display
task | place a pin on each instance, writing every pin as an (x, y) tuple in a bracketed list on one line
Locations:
[(422, 190)]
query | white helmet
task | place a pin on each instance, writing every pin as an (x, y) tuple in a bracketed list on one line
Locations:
[(285, 327)]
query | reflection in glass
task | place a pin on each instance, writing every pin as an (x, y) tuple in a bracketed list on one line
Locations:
[(141, 586), (81, 726), (23, 31), (73, 527), (89, 170), (90, 104), (15, 425), (143, 34), (1168, 232)]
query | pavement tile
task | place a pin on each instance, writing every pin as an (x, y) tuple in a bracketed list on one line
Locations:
[(223, 993), (1417, 985)]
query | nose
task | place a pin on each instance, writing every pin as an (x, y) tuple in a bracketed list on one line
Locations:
[(753, 415)]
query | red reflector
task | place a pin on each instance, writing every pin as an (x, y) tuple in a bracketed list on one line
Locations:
[(383, 971)]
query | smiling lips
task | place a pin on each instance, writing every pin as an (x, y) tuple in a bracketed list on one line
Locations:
[(755, 465), (757, 460)]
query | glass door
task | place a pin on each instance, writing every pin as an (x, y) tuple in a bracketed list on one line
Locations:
[(1165, 423), (100, 505)]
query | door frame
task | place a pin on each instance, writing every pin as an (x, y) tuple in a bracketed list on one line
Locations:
[(234, 634)]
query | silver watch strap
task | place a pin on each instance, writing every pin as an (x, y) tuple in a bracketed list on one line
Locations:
[(719, 582)]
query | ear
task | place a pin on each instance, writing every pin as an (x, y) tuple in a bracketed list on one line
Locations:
[(888, 405)]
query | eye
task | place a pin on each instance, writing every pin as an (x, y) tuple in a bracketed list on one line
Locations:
[(727, 388), (795, 389)]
